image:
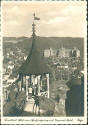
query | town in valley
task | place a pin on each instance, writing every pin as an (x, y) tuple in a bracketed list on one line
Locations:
[(66, 66)]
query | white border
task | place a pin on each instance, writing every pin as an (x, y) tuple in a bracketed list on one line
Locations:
[(46, 120)]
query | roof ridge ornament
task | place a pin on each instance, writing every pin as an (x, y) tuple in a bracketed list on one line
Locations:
[(33, 25)]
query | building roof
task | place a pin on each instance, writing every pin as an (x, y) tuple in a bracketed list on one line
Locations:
[(35, 63)]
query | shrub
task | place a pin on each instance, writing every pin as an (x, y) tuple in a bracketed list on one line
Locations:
[(15, 105), (47, 105)]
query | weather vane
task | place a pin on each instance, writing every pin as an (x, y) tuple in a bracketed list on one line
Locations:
[(35, 18)]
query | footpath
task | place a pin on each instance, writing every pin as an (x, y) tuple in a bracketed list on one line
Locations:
[(29, 107)]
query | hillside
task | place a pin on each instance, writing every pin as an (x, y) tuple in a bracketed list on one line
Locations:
[(45, 42)]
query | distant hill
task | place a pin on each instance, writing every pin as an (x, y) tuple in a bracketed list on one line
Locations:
[(45, 42), (14, 39)]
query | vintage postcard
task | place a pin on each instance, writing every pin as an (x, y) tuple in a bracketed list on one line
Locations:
[(43, 62)]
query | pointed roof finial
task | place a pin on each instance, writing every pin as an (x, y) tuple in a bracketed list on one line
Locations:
[(34, 16), (33, 25)]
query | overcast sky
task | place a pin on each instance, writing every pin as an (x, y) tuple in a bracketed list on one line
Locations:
[(62, 19)]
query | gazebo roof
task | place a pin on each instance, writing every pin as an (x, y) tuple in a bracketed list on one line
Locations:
[(35, 63)]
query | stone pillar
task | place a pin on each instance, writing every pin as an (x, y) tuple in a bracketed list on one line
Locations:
[(47, 75), (27, 77), (32, 79), (23, 80), (18, 76), (62, 97)]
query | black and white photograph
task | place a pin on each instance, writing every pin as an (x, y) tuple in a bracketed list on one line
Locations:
[(44, 61)]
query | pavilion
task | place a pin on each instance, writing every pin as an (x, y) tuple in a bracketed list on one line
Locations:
[(34, 71)]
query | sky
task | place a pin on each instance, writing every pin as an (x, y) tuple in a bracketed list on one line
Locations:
[(61, 19)]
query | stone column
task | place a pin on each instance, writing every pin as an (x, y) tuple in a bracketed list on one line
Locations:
[(47, 75), (32, 79), (25, 79)]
